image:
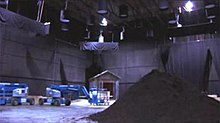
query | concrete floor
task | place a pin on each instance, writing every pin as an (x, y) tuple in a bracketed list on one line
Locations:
[(74, 113)]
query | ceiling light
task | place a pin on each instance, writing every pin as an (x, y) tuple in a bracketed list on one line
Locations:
[(172, 18), (188, 6), (87, 34), (122, 34), (104, 22), (163, 4), (47, 28), (138, 24), (211, 13), (102, 7), (179, 25), (123, 11), (209, 4), (101, 37), (90, 20)]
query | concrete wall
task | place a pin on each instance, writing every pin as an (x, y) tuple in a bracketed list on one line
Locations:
[(214, 83), (133, 60), (137, 58), (36, 60)]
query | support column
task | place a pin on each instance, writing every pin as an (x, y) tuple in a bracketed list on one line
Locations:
[(116, 89)]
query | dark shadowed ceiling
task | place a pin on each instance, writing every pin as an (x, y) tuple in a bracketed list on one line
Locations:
[(143, 17)]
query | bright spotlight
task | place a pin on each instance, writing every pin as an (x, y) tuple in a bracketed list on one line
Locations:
[(104, 22), (188, 6)]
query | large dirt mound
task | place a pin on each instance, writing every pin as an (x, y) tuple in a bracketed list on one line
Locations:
[(161, 98)]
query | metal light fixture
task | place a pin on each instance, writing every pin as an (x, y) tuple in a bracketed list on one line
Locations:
[(102, 7), (209, 4), (87, 34), (172, 18), (188, 6), (90, 20), (101, 37), (104, 22), (123, 11), (138, 24), (163, 4), (122, 33), (47, 28), (211, 13)]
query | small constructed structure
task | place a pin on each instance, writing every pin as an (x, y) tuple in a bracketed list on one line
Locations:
[(108, 80)]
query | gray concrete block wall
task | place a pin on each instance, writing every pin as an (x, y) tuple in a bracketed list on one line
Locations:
[(25, 57), (132, 61)]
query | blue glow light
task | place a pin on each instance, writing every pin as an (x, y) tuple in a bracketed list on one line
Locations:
[(188, 6)]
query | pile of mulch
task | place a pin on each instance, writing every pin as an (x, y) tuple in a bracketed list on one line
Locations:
[(161, 98)]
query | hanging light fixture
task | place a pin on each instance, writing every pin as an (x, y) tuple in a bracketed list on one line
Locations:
[(211, 13), (123, 11), (209, 4), (102, 7), (87, 34), (188, 6), (90, 20), (138, 24), (172, 18), (101, 37), (163, 4), (122, 33), (104, 22)]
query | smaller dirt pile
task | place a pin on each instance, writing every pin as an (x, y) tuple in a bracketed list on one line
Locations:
[(161, 98)]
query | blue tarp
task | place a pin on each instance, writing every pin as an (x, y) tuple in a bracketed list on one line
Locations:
[(17, 21), (99, 46)]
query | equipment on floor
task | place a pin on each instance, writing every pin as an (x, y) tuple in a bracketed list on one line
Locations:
[(63, 94), (96, 96), (99, 96), (60, 94), (15, 94)]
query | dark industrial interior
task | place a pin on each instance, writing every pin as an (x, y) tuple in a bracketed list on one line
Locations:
[(113, 45)]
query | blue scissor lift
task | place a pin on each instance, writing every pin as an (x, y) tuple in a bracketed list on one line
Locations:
[(14, 94)]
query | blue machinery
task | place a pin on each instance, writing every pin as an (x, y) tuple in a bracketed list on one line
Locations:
[(14, 94), (98, 96), (62, 94)]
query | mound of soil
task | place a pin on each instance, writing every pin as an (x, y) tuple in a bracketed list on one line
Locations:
[(161, 98)]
